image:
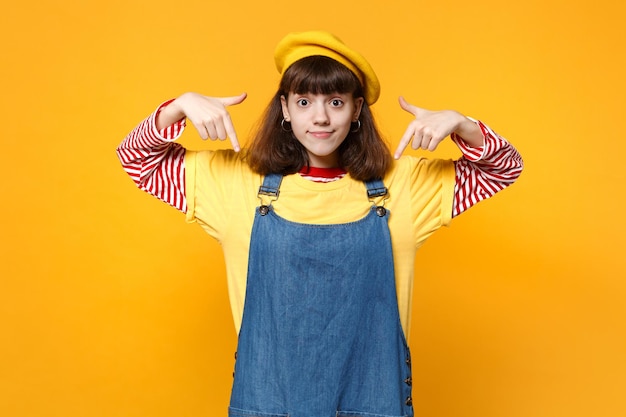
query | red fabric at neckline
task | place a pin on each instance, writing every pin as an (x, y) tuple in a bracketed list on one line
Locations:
[(322, 172)]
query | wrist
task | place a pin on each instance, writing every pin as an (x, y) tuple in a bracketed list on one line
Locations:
[(470, 132), (169, 114)]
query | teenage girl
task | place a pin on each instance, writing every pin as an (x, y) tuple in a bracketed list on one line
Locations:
[(319, 225)]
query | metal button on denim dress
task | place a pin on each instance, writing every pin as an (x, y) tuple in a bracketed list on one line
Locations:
[(321, 334)]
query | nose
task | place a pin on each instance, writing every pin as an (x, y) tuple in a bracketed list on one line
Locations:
[(321, 115)]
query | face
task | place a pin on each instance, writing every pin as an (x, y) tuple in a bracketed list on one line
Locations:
[(321, 123)]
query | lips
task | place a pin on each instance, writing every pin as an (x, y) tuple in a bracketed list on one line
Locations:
[(320, 134)]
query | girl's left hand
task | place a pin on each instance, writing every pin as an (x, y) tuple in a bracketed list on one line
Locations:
[(429, 127)]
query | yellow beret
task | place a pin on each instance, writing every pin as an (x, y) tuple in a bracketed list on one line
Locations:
[(300, 45)]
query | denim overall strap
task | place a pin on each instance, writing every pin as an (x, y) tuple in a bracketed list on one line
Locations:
[(321, 333), (375, 188), (271, 185)]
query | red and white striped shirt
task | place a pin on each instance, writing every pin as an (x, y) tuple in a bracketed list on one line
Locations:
[(157, 165)]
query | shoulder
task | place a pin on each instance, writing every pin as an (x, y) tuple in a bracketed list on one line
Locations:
[(421, 195), (219, 169), (412, 168), (216, 160)]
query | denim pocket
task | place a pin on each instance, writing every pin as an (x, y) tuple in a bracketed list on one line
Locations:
[(237, 412)]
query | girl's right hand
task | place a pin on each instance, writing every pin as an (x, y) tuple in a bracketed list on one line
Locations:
[(207, 114)]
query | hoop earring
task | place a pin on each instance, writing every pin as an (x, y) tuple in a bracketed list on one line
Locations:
[(358, 126), (282, 126)]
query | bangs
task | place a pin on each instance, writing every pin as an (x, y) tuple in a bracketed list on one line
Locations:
[(320, 75)]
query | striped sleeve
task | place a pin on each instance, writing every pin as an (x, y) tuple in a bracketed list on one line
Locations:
[(484, 171), (154, 162)]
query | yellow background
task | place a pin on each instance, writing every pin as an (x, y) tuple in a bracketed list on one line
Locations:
[(110, 305)]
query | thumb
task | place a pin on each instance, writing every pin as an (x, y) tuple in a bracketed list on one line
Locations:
[(406, 106), (233, 100)]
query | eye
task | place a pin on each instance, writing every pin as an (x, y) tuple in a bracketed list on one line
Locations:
[(336, 102), (303, 102)]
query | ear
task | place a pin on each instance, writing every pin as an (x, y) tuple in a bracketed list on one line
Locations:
[(283, 103), (358, 105)]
